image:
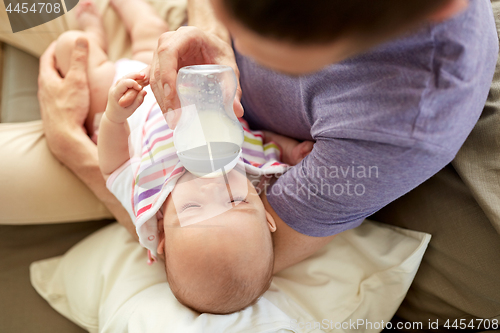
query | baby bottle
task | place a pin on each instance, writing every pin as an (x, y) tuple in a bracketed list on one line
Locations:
[(208, 136)]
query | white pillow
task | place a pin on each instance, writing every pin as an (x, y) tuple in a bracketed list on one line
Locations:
[(103, 284)]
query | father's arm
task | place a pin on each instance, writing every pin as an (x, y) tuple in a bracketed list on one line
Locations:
[(64, 105), (341, 182), (290, 246), (201, 15)]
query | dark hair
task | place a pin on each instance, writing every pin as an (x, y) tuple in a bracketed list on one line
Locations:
[(323, 21)]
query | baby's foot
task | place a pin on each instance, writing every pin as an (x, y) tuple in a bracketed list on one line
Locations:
[(117, 3), (90, 21)]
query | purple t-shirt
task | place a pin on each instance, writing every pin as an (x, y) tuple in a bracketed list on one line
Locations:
[(383, 122)]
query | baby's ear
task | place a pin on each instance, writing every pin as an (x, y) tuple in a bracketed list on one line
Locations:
[(160, 250), (161, 231), (161, 239), (270, 222)]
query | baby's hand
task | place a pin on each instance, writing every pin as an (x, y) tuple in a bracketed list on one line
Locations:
[(298, 152), (125, 97), (292, 150)]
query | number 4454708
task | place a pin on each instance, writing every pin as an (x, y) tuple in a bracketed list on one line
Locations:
[(473, 324), (42, 7)]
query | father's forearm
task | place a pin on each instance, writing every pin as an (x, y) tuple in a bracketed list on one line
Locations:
[(201, 15), (79, 154), (290, 246)]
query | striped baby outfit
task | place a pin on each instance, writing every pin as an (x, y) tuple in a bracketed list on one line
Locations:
[(144, 182)]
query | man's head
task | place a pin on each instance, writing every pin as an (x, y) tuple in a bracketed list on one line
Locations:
[(300, 36), (224, 263)]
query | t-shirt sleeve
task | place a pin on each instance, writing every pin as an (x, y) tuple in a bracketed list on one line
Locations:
[(343, 181), (120, 183)]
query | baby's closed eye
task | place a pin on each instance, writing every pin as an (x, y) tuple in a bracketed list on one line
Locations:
[(190, 205)]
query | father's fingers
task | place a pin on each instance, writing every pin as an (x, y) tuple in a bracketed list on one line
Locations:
[(172, 117), (186, 46), (153, 82), (79, 61), (237, 107), (167, 66), (48, 71), (146, 71)]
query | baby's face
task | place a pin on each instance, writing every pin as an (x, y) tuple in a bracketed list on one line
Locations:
[(209, 238), (198, 199), (204, 213)]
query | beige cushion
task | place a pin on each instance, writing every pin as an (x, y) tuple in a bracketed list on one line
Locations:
[(19, 86), (104, 284)]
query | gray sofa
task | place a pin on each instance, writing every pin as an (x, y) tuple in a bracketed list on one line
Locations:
[(462, 194), (22, 310)]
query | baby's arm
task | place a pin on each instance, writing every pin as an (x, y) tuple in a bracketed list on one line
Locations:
[(292, 150), (123, 99)]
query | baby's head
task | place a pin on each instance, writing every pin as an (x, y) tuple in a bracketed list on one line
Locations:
[(224, 263)]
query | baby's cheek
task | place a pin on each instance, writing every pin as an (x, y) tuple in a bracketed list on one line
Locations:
[(169, 213)]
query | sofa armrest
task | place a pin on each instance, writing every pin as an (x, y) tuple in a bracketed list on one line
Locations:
[(1, 77), (19, 102)]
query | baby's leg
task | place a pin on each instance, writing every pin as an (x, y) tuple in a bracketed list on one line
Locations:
[(293, 151), (90, 21), (100, 71), (143, 25)]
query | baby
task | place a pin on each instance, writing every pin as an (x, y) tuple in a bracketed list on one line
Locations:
[(223, 260)]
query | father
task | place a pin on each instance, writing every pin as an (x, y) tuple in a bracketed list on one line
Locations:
[(385, 115), (384, 120)]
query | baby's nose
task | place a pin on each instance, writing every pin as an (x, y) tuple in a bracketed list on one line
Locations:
[(213, 187)]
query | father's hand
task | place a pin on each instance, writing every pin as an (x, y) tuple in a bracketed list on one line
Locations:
[(64, 102), (186, 47), (64, 105)]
